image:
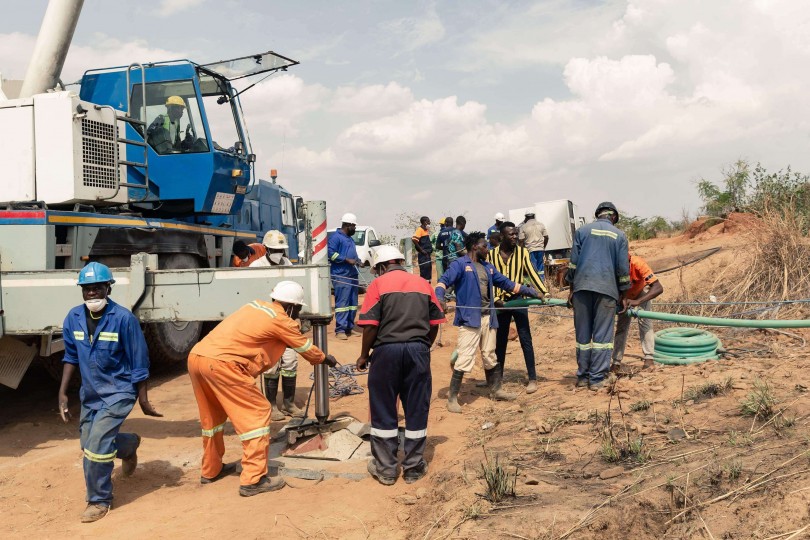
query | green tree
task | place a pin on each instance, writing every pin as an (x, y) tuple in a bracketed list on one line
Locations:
[(729, 197)]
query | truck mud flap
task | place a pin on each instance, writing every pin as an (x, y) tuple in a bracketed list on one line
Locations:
[(15, 357)]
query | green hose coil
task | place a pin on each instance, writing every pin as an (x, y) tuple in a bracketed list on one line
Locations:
[(680, 346)]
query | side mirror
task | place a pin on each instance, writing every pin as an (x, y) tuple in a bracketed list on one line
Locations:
[(239, 147), (251, 158), (299, 206), (301, 224), (374, 243)]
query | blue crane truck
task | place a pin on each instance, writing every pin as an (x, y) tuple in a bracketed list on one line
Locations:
[(148, 169)]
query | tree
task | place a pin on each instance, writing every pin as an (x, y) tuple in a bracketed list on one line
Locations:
[(731, 197)]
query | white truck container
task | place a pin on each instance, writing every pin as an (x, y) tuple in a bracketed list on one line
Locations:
[(561, 219)]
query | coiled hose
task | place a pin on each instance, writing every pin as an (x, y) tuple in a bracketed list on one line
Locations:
[(681, 346)]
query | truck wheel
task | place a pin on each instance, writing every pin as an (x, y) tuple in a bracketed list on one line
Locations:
[(170, 342), (53, 366)]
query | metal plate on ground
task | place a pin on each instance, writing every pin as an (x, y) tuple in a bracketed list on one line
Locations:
[(15, 357)]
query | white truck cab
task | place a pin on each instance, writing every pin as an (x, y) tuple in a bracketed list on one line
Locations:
[(365, 239)]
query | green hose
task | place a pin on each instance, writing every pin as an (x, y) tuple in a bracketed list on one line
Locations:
[(680, 346), (717, 321), (526, 302)]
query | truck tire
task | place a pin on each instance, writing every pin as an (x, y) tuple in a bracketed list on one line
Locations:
[(170, 342)]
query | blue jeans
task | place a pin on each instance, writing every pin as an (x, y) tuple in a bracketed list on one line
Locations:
[(521, 317), (345, 303), (594, 317), (537, 262), (102, 443)]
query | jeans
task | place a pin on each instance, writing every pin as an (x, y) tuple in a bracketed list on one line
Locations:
[(102, 443), (521, 317), (425, 267), (536, 257)]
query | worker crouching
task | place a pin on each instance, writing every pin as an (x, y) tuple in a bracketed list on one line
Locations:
[(223, 367), (400, 317)]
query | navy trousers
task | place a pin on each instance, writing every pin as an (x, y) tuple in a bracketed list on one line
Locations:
[(594, 317), (425, 266), (345, 304), (102, 443), (399, 370), (521, 317)]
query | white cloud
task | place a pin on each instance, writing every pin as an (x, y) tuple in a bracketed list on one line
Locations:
[(170, 7), (413, 33), (371, 101)]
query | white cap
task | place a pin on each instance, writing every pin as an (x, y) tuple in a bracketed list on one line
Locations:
[(274, 240), (498, 217), (289, 292), (386, 253), (349, 218)]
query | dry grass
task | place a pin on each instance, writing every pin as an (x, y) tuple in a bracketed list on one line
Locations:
[(776, 266)]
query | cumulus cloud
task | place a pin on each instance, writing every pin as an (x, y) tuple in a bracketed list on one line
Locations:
[(170, 7), (415, 32)]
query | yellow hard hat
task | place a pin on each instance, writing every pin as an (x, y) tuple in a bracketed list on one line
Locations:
[(175, 100)]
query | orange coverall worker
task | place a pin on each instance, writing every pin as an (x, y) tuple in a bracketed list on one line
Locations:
[(257, 251), (223, 367)]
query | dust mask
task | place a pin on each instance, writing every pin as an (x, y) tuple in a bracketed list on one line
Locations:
[(95, 305), (275, 258)]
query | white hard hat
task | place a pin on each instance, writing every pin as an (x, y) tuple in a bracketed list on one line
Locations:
[(349, 218), (275, 240), (498, 217), (386, 253), (288, 291)]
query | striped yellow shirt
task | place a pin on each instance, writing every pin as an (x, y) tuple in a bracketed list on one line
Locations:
[(518, 268)]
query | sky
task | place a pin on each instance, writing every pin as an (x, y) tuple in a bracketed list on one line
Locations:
[(480, 106)]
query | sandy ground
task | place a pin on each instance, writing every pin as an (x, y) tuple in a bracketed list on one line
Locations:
[(552, 437)]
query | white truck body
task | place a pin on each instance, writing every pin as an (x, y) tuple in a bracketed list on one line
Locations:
[(561, 219)]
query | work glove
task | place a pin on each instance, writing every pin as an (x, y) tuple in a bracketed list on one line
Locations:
[(330, 360), (528, 291)]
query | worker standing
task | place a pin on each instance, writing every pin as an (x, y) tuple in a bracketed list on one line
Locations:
[(474, 278), (105, 340), (342, 254), (534, 237), (513, 261), (223, 367), (497, 226), (285, 371), (245, 254), (599, 275), (421, 241), (644, 287), (400, 317)]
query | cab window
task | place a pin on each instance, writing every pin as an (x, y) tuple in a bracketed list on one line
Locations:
[(172, 116)]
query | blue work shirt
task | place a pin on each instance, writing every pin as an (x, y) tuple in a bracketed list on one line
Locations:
[(599, 261), (463, 276), (494, 228), (443, 239), (112, 361), (339, 248)]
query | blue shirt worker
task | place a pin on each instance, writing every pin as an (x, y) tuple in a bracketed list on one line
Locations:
[(105, 341), (342, 254), (474, 278), (599, 274), (443, 241), (400, 319), (497, 226), (421, 241)]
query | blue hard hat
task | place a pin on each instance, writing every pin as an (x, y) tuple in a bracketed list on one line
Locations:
[(95, 273)]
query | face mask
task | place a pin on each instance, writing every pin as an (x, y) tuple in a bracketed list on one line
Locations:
[(96, 305), (275, 258)]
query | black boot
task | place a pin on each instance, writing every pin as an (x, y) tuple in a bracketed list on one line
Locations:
[(452, 396), (495, 378), (270, 391), (288, 390)]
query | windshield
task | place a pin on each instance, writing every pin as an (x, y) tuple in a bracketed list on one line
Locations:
[(246, 66), (222, 117), (172, 116), (359, 237)]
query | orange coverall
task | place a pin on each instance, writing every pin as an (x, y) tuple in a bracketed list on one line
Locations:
[(258, 251), (223, 367)]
